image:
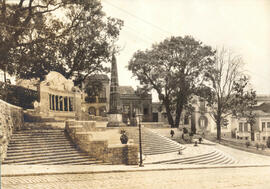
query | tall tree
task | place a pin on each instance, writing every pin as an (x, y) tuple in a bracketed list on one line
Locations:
[(245, 102), (73, 37), (227, 92), (174, 68)]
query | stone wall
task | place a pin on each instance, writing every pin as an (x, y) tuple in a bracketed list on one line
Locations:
[(155, 125), (11, 119), (92, 140)]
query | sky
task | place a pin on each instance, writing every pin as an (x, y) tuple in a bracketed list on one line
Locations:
[(242, 26)]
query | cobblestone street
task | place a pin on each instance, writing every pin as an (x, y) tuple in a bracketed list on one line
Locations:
[(240, 178)]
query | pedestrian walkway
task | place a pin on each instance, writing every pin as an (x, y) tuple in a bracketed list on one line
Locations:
[(203, 156), (244, 159), (218, 178)]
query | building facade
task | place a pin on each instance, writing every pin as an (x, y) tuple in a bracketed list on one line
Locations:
[(261, 127), (130, 102)]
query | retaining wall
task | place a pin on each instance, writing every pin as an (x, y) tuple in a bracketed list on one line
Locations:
[(94, 141), (11, 119)]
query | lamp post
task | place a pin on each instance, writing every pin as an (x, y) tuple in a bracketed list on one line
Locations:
[(139, 116)]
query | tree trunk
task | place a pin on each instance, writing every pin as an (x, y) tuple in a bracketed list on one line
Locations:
[(218, 122), (251, 133), (169, 115), (5, 76), (193, 124), (178, 116), (218, 129)]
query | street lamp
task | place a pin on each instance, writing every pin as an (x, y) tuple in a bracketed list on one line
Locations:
[(139, 117)]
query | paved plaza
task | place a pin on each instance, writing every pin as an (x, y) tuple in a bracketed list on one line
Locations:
[(249, 171), (239, 178)]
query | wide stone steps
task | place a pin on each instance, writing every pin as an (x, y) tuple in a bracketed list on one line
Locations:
[(40, 142), (45, 146), (40, 147), (212, 158), (153, 143), (37, 152), (12, 150), (59, 159), (48, 155)]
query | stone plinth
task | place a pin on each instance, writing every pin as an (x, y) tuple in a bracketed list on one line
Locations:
[(115, 120)]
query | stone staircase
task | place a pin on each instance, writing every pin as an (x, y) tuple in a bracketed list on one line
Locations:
[(48, 146), (153, 143), (212, 158)]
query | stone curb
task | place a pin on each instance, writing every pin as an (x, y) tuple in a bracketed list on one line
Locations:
[(142, 169)]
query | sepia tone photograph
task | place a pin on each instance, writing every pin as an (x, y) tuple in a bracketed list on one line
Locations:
[(138, 94)]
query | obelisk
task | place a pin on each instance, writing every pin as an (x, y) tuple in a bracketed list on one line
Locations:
[(115, 113)]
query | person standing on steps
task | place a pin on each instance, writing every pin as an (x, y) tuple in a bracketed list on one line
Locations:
[(172, 133)]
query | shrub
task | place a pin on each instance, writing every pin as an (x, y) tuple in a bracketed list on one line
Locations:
[(18, 96), (122, 131), (185, 130)]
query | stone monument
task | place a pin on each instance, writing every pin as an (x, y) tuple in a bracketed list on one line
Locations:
[(115, 113), (58, 97)]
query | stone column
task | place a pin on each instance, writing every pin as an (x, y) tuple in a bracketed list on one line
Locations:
[(54, 97), (115, 113), (68, 104), (50, 101)]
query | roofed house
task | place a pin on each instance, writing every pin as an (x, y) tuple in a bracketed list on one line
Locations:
[(262, 124), (130, 101), (133, 103), (97, 105)]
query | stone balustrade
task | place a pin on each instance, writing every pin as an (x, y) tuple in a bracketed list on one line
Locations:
[(153, 125), (11, 119), (96, 142)]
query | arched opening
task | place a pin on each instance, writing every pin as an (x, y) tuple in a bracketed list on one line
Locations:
[(92, 111)]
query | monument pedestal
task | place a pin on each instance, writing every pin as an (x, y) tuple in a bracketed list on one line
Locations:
[(115, 120)]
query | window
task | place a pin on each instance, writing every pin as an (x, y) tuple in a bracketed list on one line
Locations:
[(56, 102), (263, 138), (245, 127), (65, 104), (240, 127), (263, 126), (92, 111), (268, 125), (202, 105), (202, 123), (246, 138), (126, 109), (145, 111)]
